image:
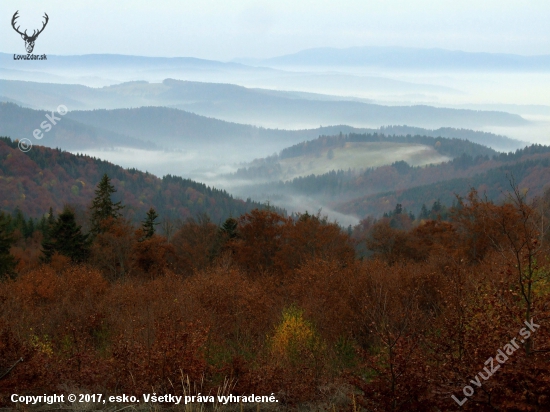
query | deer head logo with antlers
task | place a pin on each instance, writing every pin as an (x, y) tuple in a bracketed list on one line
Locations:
[(29, 40)]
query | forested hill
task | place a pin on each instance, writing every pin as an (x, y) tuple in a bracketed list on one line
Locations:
[(45, 177), (377, 190), (449, 147), (528, 168), (498, 142)]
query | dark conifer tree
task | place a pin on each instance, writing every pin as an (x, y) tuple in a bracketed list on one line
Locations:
[(7, 261), (18, 221), (436, 207), (47, 229), (148, 225), (229, 228), (31, 227), (398, 209), (66, 238), (102, 206), (424, 213)]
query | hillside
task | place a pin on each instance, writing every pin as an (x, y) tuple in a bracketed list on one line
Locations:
[(530, 172), (20, 122), (497, 142), (357, 152), (180, 127), (376, 190), (44, 178)]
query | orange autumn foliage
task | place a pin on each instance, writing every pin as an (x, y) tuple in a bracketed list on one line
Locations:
[(286, 307)]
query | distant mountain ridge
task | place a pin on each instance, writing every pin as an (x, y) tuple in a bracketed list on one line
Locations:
[(111, 69), (149, 127), (20, 123), (406, 58), (119, 60), (249, 105)]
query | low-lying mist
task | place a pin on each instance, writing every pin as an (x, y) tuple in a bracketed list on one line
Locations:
[(509, 102)]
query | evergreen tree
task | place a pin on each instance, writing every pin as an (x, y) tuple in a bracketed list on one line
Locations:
[(18, 221), (66, 238), (398, 209), (424, 213), (229, 228), (7, 261), (436, 207), (30, 228), (47, 228), (102, 206), (149, 224)]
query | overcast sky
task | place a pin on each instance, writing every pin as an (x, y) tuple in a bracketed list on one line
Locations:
[(226, 29)]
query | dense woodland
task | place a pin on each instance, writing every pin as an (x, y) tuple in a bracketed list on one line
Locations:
[(374, 191), (44, 178), (503, 143), (397, 314), (450, 147)]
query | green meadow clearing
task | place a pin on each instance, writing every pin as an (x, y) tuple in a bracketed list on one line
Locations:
[(359, 156)]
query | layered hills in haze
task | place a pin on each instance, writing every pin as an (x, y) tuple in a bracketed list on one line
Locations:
[(161, 127), (406, 58), (260, 107)]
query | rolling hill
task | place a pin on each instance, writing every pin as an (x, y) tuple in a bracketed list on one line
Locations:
[(411, 170), (357, 152)]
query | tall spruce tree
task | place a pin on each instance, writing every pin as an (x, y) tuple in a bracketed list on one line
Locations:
[(47, 245), (102, 206), (229, 228), (7, 261), (66, 238), (148, 225)]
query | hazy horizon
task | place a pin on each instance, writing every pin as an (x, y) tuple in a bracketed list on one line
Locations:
[(245, 29)]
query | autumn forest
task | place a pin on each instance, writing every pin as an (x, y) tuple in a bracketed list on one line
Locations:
[(114, 281)]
